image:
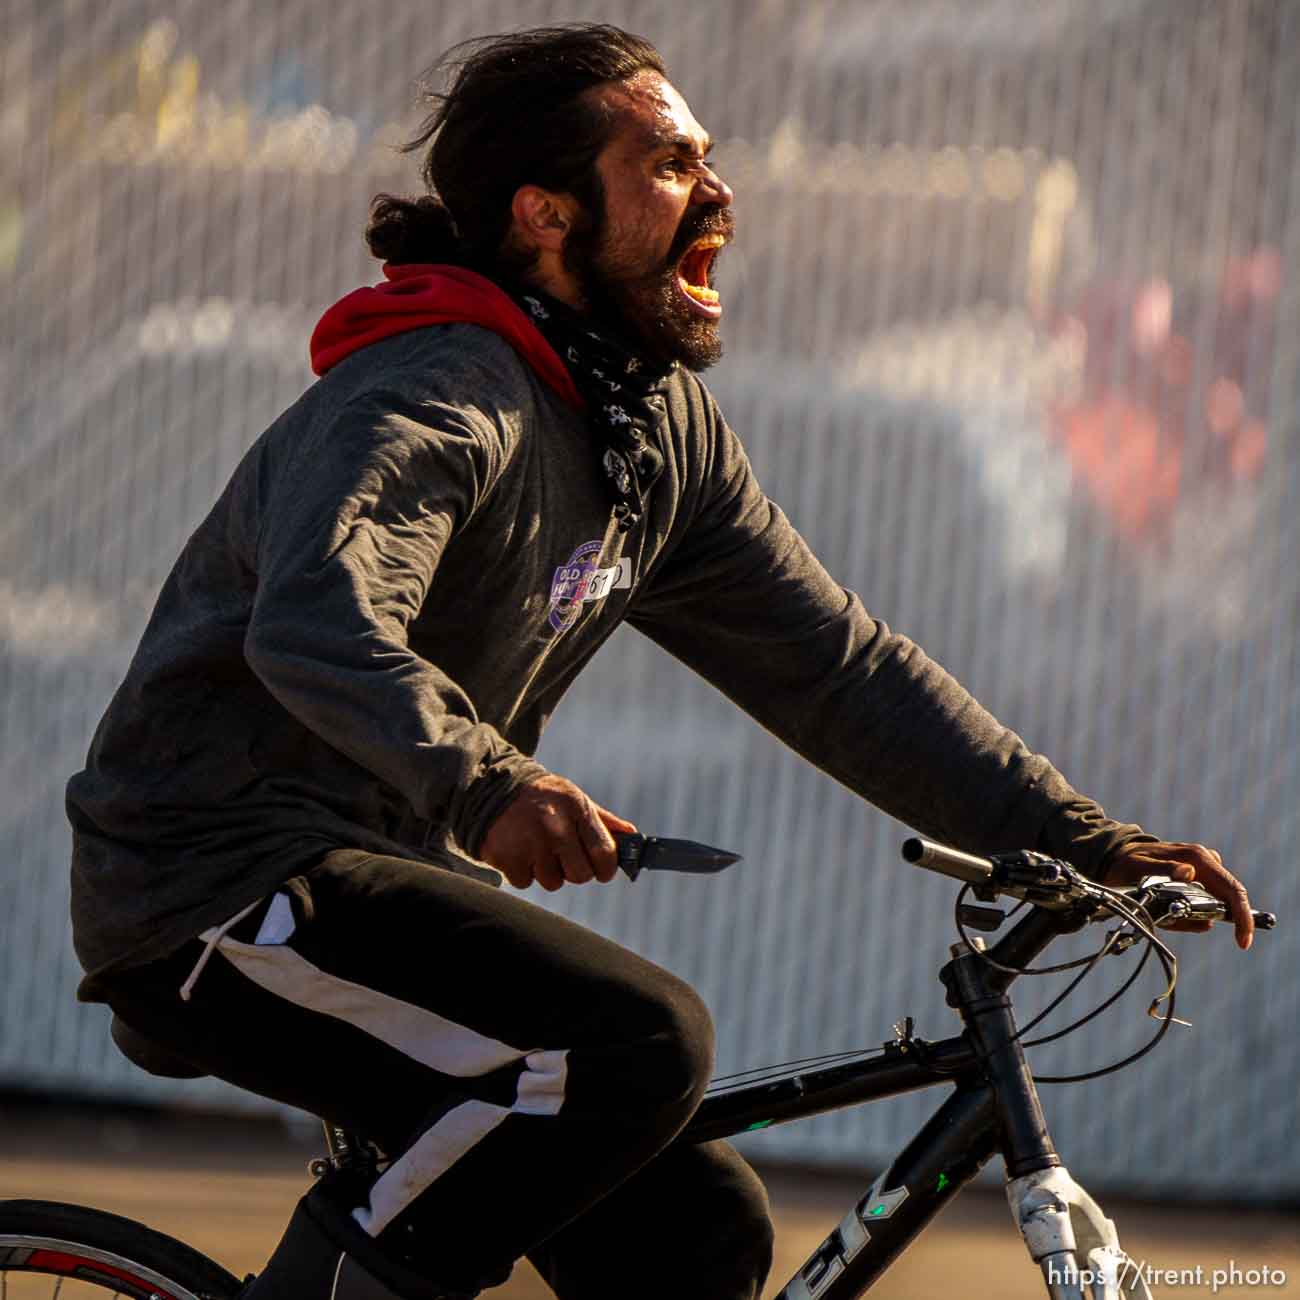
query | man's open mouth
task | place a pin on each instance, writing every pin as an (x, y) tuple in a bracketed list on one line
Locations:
[(694, 269)]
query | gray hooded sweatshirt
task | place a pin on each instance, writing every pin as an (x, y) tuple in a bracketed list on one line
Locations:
[(362, 642)]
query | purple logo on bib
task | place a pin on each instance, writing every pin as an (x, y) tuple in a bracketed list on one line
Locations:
[(579, 582), (570, 583)]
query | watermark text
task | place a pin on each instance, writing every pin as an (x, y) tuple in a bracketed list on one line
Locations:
[(1132, 1271)]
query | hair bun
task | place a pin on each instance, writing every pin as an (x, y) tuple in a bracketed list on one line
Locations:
[(402, 231)]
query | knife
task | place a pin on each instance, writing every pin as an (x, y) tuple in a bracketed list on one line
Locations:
[(638, 853)]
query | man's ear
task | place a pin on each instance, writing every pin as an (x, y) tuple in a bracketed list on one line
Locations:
[(542, 219)]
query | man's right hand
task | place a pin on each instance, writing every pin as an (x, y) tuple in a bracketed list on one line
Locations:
[(552, 832)]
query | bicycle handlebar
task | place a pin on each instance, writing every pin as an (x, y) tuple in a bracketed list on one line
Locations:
[(949, 862), (1056, 885)]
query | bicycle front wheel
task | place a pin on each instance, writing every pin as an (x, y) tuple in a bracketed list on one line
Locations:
[(48, 1249)]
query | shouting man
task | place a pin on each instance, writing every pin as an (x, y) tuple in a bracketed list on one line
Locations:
[(281, 828)]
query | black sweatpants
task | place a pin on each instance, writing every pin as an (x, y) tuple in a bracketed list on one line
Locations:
[(522, 1072)]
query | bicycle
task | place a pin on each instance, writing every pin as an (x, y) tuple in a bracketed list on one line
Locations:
[(994, 1107)]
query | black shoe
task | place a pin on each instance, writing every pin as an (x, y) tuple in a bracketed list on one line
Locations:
[(319, 1258)]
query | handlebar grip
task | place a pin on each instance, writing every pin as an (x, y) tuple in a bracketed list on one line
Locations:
[(949, 862), (1265, 920)]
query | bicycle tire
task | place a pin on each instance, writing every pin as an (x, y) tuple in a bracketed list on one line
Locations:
[(92, 1253)]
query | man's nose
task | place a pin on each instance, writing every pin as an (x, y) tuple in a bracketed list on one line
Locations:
[(711, 188)]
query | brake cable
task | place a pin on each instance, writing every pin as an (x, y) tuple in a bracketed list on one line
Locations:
[(1116, 904), (778, 1070), (1136, 916)]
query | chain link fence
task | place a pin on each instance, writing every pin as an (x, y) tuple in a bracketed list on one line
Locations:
[(1013, 335)]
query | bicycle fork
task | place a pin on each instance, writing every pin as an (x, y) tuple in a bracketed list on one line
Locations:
[(1059, 1221)]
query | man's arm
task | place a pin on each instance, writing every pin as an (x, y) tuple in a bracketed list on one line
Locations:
[(744, 602), (353, 523), (353, 528)]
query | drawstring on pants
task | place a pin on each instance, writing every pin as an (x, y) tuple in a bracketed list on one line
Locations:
[(212, 939)]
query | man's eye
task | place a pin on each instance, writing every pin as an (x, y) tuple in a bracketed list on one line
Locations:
[(672, 166)]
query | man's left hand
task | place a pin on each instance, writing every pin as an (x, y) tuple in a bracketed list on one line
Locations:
[(1187, 862)]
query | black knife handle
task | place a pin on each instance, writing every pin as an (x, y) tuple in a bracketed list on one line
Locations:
[(630, 849)]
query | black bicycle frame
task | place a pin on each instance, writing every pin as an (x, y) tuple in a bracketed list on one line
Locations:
[(945, 1155), (994, 1107)]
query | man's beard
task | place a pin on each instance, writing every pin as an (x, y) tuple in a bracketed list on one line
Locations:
[(646, 307)]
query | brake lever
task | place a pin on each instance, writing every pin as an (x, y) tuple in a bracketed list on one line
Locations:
[(1037, 878), (1186, 900)]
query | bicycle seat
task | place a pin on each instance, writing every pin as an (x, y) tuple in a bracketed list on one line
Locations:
[(150, 1056)]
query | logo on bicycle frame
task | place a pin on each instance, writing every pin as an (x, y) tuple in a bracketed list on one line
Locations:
[(844, 1243)]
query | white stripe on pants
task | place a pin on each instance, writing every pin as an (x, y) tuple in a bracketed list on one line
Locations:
[(425, 1036)]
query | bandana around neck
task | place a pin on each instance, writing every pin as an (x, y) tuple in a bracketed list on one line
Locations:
[(620, 388)]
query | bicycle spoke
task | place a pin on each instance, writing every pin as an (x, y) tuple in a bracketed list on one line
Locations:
[(33, 1285)]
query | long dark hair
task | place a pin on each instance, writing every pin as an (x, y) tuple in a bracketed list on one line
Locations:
[(514, 114)]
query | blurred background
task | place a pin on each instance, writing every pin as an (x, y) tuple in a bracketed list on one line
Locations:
[(1013, 335)]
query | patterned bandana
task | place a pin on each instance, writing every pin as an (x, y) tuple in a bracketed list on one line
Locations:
[(623, 405)]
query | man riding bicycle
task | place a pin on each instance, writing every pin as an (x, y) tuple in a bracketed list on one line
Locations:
[(281, 830)]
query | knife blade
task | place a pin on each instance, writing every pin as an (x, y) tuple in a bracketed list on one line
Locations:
[(638, 853)]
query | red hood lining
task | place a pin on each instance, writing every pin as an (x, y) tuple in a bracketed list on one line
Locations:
[(421, 294)]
